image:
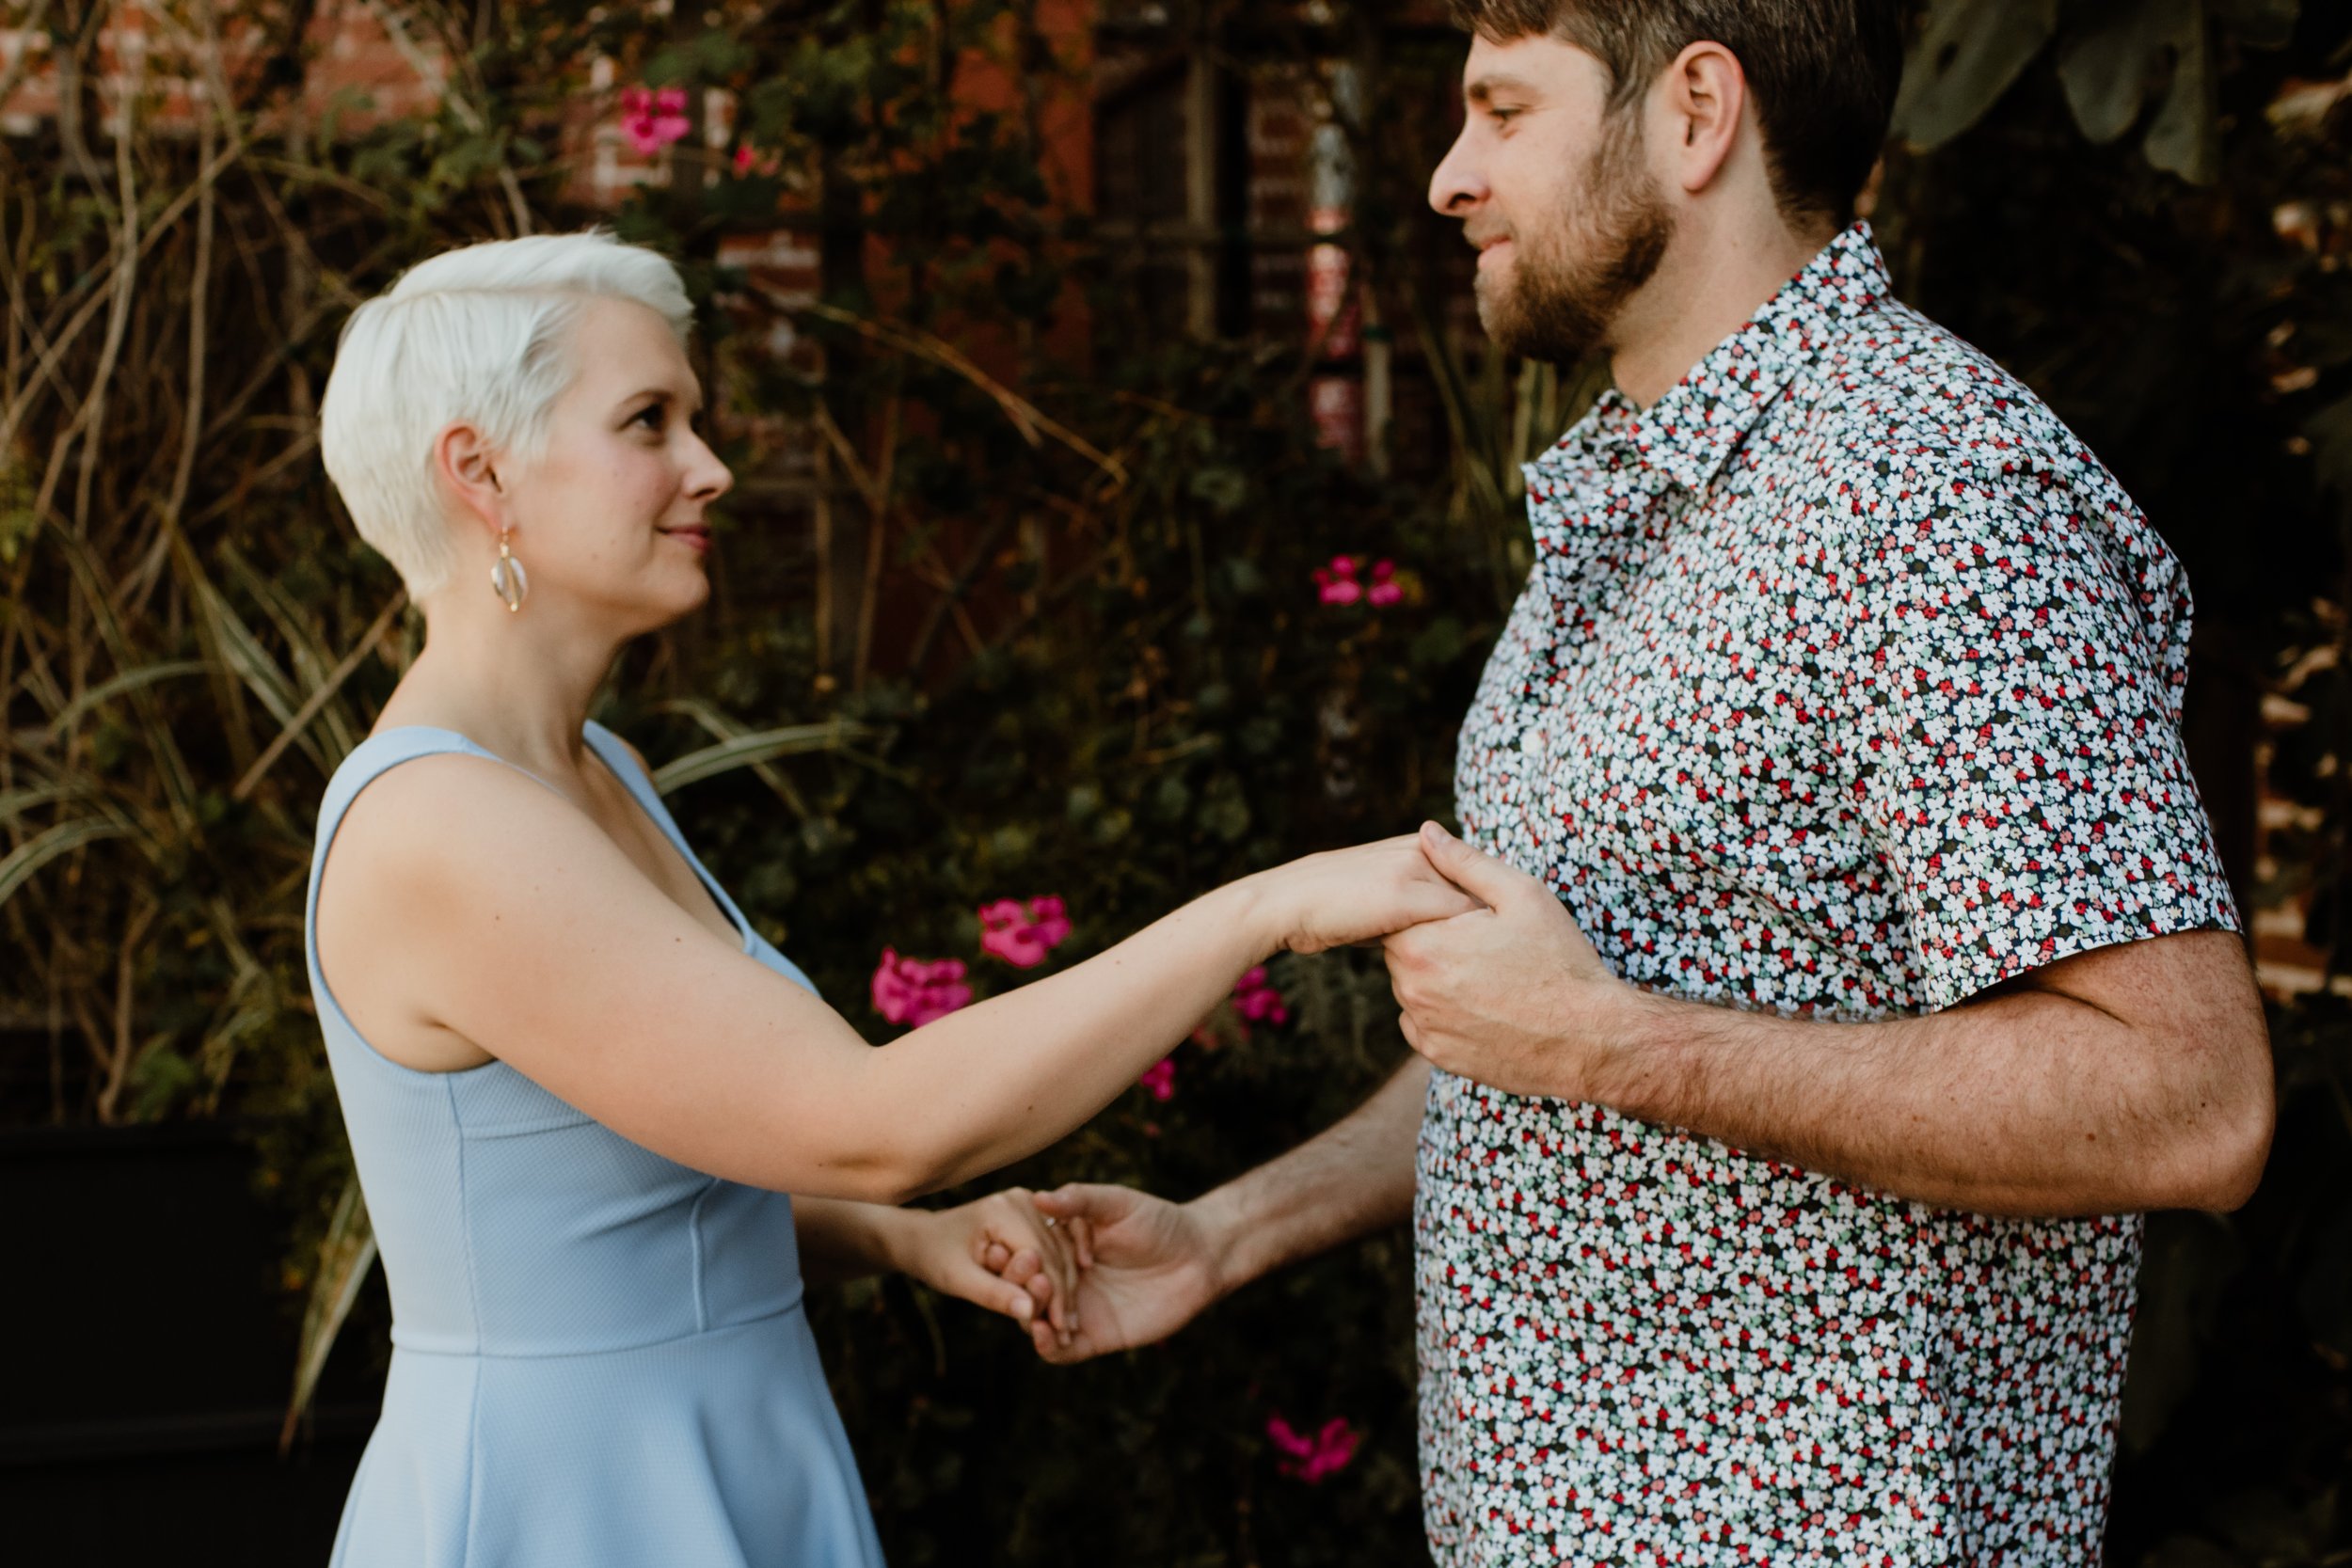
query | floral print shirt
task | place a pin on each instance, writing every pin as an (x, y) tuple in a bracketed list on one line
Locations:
[(1847, 683)]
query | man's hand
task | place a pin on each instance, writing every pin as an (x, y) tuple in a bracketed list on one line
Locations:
[(1511, 995), (1147, 1267)]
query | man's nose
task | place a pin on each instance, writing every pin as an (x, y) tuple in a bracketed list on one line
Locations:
[(1456, 186)]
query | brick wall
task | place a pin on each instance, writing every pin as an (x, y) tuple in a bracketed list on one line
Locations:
[(356, 71)]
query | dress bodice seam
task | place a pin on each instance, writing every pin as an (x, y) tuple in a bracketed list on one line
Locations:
[(796, 1304)]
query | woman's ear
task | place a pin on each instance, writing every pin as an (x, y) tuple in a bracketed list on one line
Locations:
[(470, 468)]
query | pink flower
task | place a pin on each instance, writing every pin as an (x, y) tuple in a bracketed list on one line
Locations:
[(1335, 583), (1257, 1002), (1160, 1078), (1339, 583), (1051, 921), (751, 160), (1310, 1459), (1021, 936), (652, 118), (911, 992)]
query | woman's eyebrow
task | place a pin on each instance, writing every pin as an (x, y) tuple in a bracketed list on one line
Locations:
[(664, 394)]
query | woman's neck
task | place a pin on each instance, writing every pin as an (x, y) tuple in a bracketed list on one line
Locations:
[(519, 684)]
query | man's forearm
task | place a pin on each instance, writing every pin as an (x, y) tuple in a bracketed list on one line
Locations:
[(2032, 1102), (2130, 1076), (1353, 1178)]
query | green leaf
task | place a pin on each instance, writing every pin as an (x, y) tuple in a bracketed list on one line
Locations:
[(17, 525), (2107, 70), (2186, 137), (712, 56), (1224, 489), (1970, 53)]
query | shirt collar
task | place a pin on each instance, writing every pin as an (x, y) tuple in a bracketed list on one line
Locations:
[(1689, 433)]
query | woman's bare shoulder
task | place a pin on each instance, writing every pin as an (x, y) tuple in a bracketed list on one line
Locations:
[(434, 808)]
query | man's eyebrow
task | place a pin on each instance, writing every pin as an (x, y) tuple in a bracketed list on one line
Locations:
[(1487, 88)]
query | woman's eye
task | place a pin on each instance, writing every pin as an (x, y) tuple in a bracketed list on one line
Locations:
[(651, 416)]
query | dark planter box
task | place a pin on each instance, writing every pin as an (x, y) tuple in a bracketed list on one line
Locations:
[(152, 1346)]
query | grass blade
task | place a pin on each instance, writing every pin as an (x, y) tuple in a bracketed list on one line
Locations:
[(748, 751), (346, 1253), (63, 839)]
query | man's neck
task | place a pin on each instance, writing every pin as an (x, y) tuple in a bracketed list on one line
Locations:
[(1712, 280)]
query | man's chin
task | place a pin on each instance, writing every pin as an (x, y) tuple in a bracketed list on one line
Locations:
[(1505, 326), (1517, 337)]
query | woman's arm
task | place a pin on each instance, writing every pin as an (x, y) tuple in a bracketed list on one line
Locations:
[(997, 1252), (515, 923), (841, 1239)]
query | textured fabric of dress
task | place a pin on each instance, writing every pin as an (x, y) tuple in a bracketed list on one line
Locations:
[(1847, 684), (600, 1355)]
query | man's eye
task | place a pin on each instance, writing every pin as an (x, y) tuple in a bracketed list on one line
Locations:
[(1503, 116)]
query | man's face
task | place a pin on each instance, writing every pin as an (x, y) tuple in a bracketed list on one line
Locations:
[(1555, 193)]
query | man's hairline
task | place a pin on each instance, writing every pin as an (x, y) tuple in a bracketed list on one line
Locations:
[(1616, 99), (1615, 102)]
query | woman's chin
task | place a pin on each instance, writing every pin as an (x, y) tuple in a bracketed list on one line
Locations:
[(692, 598), (678, 599)]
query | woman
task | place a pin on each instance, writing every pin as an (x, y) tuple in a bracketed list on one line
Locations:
[(577, 1083)]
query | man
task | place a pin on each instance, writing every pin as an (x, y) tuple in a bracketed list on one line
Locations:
[(1857, 964)]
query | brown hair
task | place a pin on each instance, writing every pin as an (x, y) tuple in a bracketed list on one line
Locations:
[(1824, 73)]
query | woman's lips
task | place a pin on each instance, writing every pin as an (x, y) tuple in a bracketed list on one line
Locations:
[(698, 537)]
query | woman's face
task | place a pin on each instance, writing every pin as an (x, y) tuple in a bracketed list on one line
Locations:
[(609, 519)]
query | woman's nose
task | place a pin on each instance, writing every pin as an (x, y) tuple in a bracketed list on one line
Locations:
[(709, 478)]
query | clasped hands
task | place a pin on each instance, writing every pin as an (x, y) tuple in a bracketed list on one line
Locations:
[(1510, 994)]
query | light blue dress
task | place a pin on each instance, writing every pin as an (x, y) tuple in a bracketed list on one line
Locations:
[(600, 1358)]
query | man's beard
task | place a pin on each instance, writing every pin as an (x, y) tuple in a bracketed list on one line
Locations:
[(1559, 308)]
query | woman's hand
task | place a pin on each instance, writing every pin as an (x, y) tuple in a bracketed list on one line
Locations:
[(997, 1252), (1359, 895)]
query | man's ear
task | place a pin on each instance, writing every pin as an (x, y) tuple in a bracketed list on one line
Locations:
[(470, 468), (1706, 100)]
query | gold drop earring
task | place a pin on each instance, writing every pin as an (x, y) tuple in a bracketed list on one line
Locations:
[(508, 579)]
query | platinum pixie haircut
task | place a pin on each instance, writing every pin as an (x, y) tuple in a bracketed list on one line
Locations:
[(480, 334)]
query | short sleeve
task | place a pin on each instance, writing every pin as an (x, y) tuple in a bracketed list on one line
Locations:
[(2016, 653)]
